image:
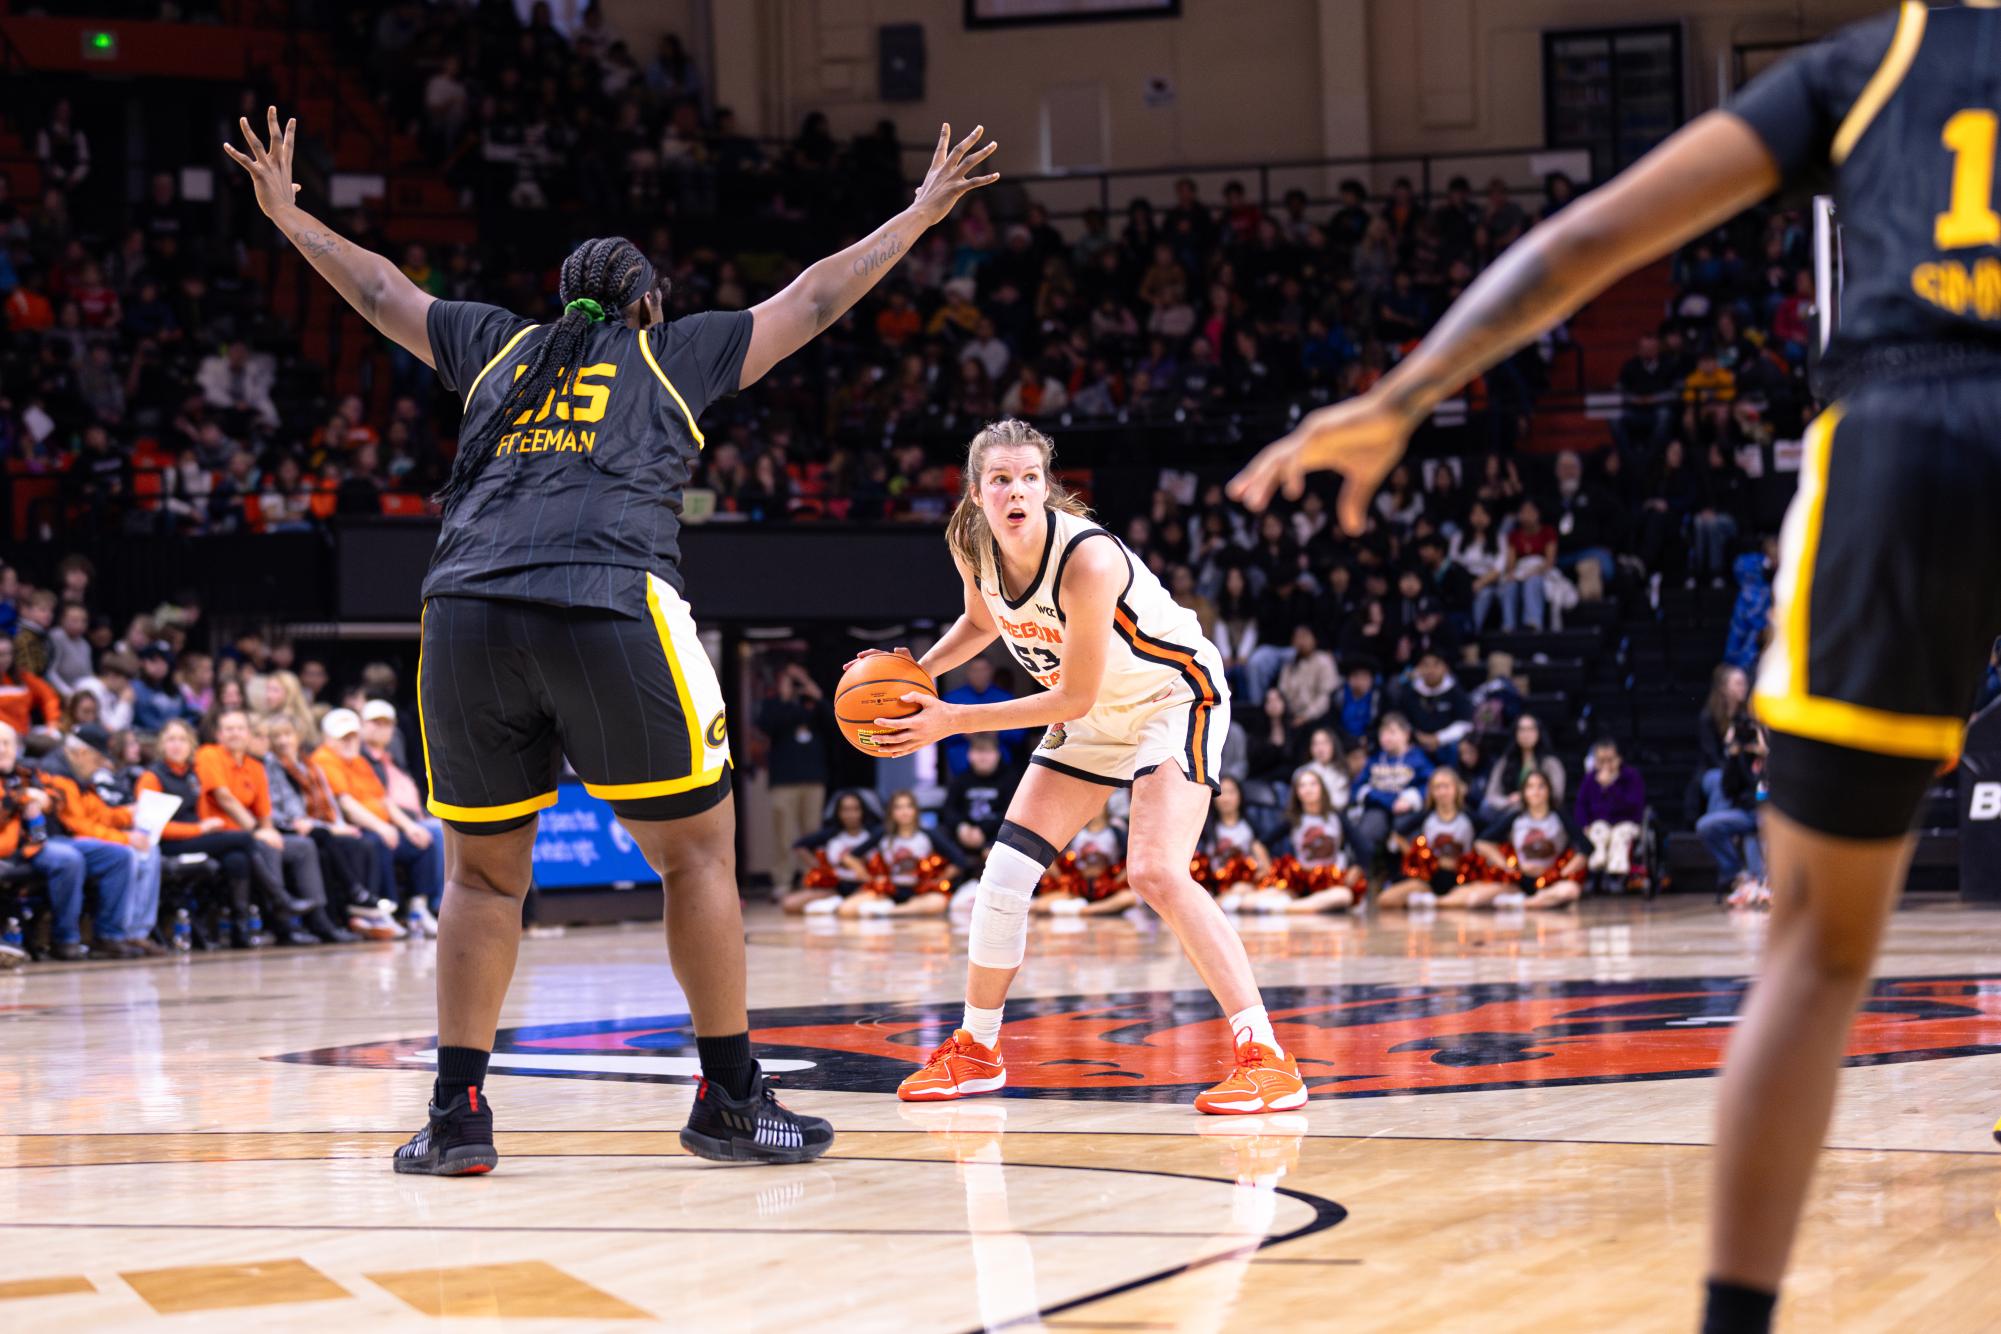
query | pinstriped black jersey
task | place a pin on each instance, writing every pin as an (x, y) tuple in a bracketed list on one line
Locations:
[(582, 498), (1903, 111)]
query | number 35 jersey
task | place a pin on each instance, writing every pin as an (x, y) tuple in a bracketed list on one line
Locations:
[(1903, 111), (1157, 651), (582, 497)]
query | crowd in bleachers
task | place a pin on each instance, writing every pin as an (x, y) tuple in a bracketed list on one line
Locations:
[(195, 799), (143, 370)]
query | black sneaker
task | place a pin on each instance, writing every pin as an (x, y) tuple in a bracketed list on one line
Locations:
[(457, 1143), (758, 1129)]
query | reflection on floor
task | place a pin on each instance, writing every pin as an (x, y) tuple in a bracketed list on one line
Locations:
[(1507, 1132)]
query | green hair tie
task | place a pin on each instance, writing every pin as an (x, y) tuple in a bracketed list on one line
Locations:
[(592, 310)]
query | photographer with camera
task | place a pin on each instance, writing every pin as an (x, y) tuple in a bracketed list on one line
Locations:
[(1735, 821)]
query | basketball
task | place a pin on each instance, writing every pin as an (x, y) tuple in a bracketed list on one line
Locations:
[(874, 688)]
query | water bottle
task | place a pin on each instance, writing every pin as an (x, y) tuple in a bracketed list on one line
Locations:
[(254, 927), (184, 935), (36, 829), (413, 922), (13, 933)]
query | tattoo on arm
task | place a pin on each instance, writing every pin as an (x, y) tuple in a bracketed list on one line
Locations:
[(314, 243), (1502, 311), (878, 256)]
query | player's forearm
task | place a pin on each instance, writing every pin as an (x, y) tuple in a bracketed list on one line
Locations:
[(830, 287), (956, 647), (362, 277), (1042, 709)]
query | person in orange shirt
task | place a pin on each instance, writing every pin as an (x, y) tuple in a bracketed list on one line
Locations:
[(41, 824), (233, 849), (235, 788), (28, 311), (362, 798), (24, 697)]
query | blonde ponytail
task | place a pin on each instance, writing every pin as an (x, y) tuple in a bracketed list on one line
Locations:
[(967, 532)]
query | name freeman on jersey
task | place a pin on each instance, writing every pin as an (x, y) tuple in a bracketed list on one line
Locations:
[(584, 402)]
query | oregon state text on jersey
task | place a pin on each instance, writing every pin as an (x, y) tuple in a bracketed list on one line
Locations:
[(1162, 696), (1157, 642)]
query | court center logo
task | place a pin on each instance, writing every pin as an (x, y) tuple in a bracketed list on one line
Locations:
[(1356, 1041)]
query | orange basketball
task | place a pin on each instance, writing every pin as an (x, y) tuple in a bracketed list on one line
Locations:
[(874, 688)]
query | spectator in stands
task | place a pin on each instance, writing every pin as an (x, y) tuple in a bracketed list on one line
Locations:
[(29, 706), (189, 832), (794, 721), (41, 822), (1531, 556), (156, 699), (112, 688), (1307, 682), (1357, 702), (31, 640), (1726, 705), (194, 680), (1588, 525), (977, 686), (1649, 390), (237, 384), (62, 149), (976, 800), (299, 791), (286, 865), (1730, 831), (1611, 807), (69, 648), (280, 695), (1323, 757), (1439, 711), (1530, 754), (1391, 797), (361, 797), (1751, 614), (1719, 517), (1236, 628), (383, 747)]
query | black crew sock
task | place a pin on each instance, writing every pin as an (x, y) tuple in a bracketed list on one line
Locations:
[(1734, 1309), (728, 1064), (459, 1068)]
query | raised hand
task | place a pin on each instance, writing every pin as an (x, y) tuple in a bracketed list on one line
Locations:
[(270, 167), (947, 182), (1361, 439)]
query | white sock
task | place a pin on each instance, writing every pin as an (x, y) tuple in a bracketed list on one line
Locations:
[(984, 1025), (1254, 1025)]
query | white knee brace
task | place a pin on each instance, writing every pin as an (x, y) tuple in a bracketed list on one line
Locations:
[(1000, 905)]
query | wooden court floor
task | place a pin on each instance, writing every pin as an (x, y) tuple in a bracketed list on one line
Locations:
[(1508, 1132)]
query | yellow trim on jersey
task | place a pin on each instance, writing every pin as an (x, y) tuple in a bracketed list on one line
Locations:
[(487, 814), (695, 729), (1884, 82), (646, 350), (423, 733), (1783, 700), (506, 347), (666, 787)]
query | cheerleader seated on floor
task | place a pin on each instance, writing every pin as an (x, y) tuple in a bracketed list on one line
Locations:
[(1315, 875), (835, 858), (910, 874), (1539, 866), (1438, 858), (1089, 878), (1232, 861)]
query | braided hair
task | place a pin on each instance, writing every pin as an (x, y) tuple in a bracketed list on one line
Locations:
[(600, 279)]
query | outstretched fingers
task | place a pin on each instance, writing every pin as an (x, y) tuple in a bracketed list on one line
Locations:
[(939, 154), (959, 149), (250, 139)]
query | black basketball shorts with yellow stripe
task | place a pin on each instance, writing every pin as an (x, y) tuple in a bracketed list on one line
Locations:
[(507, 689), (1886, 602)]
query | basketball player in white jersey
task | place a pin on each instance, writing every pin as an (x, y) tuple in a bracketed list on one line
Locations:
[(1132, 694)]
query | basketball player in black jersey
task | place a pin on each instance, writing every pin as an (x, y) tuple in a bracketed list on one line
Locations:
[(1886, 596), (554, 625)]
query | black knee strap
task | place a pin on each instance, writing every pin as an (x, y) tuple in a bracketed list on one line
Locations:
[(1026, 842)]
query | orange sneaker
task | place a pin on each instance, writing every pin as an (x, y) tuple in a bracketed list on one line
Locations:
[(1263, 1081), (958, 1067)]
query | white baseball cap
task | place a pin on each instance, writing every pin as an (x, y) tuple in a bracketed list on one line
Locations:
[(341, 722), (377, 710)]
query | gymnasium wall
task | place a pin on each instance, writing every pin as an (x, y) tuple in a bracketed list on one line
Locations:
[(1456, 75)]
